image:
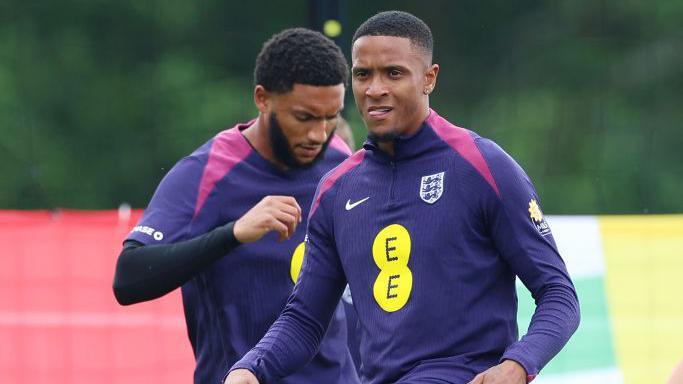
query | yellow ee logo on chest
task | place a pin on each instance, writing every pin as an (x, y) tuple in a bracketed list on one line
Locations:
[(297, 261), (391, 252)]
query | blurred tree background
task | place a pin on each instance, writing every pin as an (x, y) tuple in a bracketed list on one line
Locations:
[(98, 99)]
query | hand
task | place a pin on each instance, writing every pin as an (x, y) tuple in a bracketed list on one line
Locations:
[(241, 376), (507, 372), (273, 213)]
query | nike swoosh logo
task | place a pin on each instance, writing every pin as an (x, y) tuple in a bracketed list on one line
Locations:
[(350, 205)]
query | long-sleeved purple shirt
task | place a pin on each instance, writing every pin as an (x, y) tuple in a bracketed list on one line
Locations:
[(430, 241), (231, 304)]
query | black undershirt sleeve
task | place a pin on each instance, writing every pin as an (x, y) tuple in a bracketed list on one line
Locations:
[(146, 272)]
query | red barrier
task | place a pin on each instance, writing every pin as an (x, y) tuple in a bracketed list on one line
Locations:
[(59, 321)]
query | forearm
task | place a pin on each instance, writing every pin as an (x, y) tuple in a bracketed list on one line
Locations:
[(556, 318), (146, 272), (294, 338)]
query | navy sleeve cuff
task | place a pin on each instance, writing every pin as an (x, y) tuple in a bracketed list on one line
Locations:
[(239, 365), (251, 362), (529, 367)]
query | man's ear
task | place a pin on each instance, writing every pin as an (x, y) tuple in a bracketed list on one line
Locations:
[(430, 78), (261, 98)]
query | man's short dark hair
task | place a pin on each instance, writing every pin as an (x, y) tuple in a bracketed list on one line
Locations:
[(398, 24), (299, 56)]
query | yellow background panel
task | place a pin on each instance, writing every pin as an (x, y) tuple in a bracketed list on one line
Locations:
[(644, 283)]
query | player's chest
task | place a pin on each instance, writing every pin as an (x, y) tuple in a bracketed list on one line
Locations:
[(235, 196), (410, 225), (421, 205)]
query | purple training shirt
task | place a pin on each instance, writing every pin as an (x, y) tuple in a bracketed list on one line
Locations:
[(430, 241), (231, 304)]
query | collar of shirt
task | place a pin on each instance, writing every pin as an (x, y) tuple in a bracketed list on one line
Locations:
[(406, 146)]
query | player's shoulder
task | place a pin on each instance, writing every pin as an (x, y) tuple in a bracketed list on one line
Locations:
[(489, 148), (215, 158), (336, 152), (332, 179), (227, 144), (337, 144), (466, 145), (344, 168), (498, 160), (487, 160), (222, 152), (460, 140), (507, 174)]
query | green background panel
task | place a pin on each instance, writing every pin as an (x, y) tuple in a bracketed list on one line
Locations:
[(591, 346)]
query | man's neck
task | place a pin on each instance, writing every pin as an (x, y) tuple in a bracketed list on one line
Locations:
[(387, 147), (257, 136)]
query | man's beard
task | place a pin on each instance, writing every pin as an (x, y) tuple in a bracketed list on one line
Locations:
[(282, 151)]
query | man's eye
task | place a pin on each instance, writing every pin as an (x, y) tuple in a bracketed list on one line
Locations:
[(303, 118)]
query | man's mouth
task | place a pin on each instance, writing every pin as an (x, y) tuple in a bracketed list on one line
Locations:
[(309, 150), (378, 112)]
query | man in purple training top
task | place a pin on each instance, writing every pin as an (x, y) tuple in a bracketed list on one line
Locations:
[(223, 222), (429, 224)]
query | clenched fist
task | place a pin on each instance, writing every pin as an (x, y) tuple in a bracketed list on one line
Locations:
[(273, 213)]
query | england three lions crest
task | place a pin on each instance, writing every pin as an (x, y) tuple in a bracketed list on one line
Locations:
[(431, 187)]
